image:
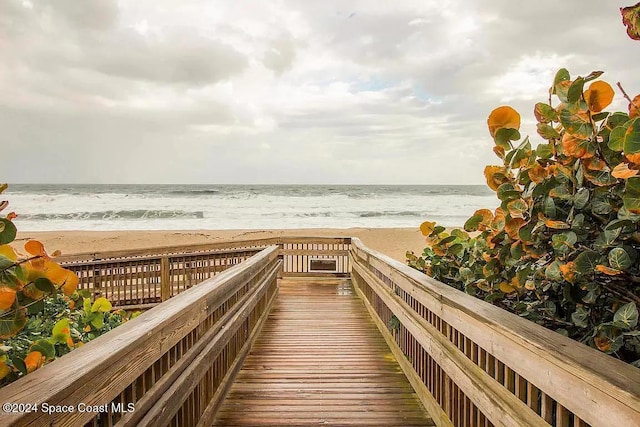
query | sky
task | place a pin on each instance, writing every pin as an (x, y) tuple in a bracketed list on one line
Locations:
[(285, 92)]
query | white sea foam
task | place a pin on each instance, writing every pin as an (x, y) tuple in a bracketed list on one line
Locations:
[(180, 207)]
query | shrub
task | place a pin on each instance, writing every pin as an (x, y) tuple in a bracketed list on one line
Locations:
[(42, 316), (562, 247)]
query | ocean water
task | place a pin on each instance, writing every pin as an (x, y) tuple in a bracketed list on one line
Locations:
[(192, 207)]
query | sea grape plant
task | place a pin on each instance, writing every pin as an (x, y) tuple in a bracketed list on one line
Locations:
[(562, 248), (38, 319)]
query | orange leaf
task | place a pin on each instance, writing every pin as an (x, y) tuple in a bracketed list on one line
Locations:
[(622, 171), (498, 220), (427, 227), (7, 297), (72, 304), (33, 361), (599, 96), (495, 175), (35, 248), (4, 370), (631, 18), (574, 147), (11, 216), (633, 158), (634, 108), (499, 151), (514, 225), (603, 343), (71, 283), (507, 288), (568, 271), (503, 117), (595, 164), (606, 270), (556, 225), (538, 173)]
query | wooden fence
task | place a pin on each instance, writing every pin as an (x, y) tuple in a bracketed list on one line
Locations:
[(172, 365), (474, 364)]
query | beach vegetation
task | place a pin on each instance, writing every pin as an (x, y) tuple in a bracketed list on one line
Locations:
[(563, 247), (42, 313)]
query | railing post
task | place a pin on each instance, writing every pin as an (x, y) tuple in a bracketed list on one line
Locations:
[(165, 279)]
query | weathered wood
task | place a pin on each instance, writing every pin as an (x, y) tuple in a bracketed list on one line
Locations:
[(493, 400), (599, 389), (165, 279), (428, 401), (319, 359), (99, 371)]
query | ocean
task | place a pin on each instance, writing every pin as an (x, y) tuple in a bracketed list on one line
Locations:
[(192, 207)]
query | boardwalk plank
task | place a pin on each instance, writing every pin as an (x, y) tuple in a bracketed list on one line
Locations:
[(320, 361)]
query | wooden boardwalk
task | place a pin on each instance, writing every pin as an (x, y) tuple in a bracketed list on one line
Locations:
[(320, 360)]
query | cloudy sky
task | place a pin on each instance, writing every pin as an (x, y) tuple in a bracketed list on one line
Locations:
[(332, 91)]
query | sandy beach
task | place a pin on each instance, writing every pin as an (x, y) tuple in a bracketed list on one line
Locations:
[(394, 242)]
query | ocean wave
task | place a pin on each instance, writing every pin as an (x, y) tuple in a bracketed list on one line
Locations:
[(375, 214), (193, 192), (115, 215)]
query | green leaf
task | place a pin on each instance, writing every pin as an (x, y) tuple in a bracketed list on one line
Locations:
[(628, 315), (586, 262), (86, 305), (508, 192), (11, 325), (45, 285), (619, 259), (8, 233), (601, 206), (581, 198), (631, 138), (549, 207), (103, 305), (575, 90), (36, 307), (631, 197), (552, 272), (561, 91), (504, 135), (544, 151), (545, 113), (601, 178), (19, 364), (563, 242), (473, 223), (616, 138), (98, 322), (575, 121), (547, 132), (580, 317)]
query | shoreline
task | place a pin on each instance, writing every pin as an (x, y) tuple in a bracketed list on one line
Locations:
[(394, 242)]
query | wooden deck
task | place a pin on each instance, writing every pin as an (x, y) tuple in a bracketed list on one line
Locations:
[(320, 360)]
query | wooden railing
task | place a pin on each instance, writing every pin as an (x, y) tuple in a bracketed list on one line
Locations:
[(142, 278), (172, 365), (474, 364)]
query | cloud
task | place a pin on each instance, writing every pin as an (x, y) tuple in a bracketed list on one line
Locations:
[(283, 91)]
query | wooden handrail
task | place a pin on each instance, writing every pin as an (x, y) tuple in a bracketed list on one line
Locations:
[(488, 364), (174, 345)]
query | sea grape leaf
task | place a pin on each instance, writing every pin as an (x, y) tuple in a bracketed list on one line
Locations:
[(586, 262), (631, 138), (11, 325), (581, 198), (575, 120), (634, 107), (619, 259), (631, 18), (631, 197), (504, 136), (575, 90), (545, 113), (8, 233), (547, 132), (627, 315), (503, 117), (599, 96), (622, 171)]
